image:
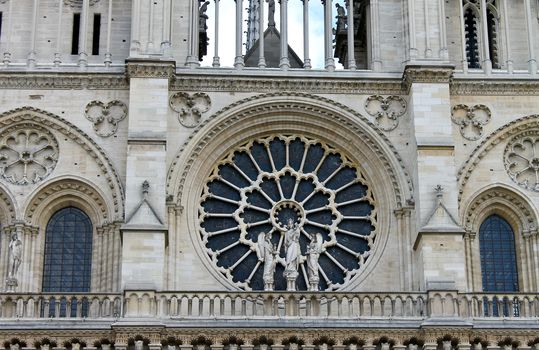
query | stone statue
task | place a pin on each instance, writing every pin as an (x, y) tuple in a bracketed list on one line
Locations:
[(203, 17), (268, 254), (15, 255), (341, 17), (313, 254), (271, 13), (293, 251)]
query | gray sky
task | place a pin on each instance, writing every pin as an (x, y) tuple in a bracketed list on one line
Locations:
[(227, 14)]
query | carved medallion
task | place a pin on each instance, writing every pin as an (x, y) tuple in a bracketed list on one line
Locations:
[(521, 160), (277, 188), (471, 120), (28, 154), (190, 107), (105, 117), (386, 111)]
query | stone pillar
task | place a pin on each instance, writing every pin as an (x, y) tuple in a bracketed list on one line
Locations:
[(439, 244), (144, 233)]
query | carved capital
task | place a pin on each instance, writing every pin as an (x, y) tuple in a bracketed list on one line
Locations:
[(150, 69), (426, 74)]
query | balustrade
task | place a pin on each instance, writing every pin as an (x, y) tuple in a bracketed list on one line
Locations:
[(269, 305)]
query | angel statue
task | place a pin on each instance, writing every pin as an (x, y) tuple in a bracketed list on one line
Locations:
[(268, 254), (314, 250)]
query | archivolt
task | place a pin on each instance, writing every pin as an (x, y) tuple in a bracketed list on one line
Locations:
[(501, 200), (502, 133), (8, 214), (49, 120), (294, 104)]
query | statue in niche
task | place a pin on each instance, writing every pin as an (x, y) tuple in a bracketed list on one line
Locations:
[(313, 254), (15, 255), (271, 13), (341, 17), (293, 251), (268, 254)]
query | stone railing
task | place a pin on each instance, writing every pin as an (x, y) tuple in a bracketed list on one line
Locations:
[(269, 305)]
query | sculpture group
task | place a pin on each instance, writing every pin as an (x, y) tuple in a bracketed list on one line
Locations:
[(268, 254)]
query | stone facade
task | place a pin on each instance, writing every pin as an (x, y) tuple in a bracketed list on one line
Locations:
[(141, 138)]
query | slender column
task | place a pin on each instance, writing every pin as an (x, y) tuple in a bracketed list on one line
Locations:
[(216, 58), (351, 51), (4, 244), (487, 63), (306, 59), (238, 60), (532, 62), (428, 49), (284, 62), (83, 55), (117, 258), (166, 40), (535, 259), (110, 253), (328, 36), (468, 256), (411, 29), (98, 259), (149, 46), (444, 53), (135, 28), (261, 48), (57, 54), (463, 39), (509, 61), (7, 52), (32, 54), (524, 242), (108, 54), (375, 25)]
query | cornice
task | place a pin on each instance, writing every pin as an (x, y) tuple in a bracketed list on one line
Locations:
[(60, 81), (491, 87), (317, 85), (141, 68)]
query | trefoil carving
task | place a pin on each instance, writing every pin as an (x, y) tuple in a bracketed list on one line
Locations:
[(521, 159), (190, 107), (471, 120), (105, 117), (386, 111), (27, 154)]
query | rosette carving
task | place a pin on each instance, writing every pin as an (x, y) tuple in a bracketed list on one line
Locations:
[(386, 111), (471, 120), (190, 107), (521, 160), (105, 117), (28, 154)]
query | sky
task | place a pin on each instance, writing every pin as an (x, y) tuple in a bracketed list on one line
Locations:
[(227, 14)]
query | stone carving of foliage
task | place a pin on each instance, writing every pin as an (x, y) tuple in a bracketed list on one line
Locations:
[(78, 3), (190, 107), (28, 154), (521, 160), (386, 111), (105, 116), (471, 120)]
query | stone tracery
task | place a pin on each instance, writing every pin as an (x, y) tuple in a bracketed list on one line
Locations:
[(521, 159), (278, 182)]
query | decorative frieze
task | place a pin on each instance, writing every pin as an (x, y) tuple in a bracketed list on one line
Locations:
[(150, 69), (71, 81), (78, 3), (105, 117), (471, 120), (426, 74)]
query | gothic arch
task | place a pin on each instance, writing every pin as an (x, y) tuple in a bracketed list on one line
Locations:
[(43, 119), (277, 113), (502, 134)]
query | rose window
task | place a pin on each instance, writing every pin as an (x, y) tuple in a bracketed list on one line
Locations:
[(522, 161), (267, 191), (27, 155)]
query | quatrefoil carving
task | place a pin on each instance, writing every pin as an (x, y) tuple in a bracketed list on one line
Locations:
[(386, 111), (190, 107), (471, 120), (105, 117)]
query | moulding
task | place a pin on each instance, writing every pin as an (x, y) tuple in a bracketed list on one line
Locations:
[(142, 68), (492, 87), (56, 80)]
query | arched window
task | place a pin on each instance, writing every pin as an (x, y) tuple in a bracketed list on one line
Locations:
[(68, 252), (498, 255)]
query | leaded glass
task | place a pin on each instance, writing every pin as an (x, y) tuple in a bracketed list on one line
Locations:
[(266, 183)]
